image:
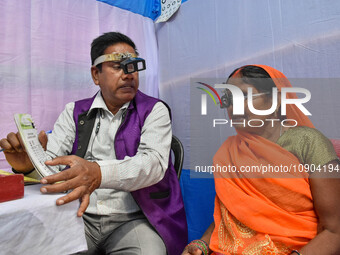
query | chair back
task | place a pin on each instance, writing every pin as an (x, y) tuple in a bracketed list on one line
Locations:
[(177, 148)]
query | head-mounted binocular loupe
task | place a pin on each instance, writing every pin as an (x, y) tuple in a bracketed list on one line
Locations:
[(131, 65), (129, 62)]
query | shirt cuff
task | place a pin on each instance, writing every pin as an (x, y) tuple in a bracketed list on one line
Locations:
[(110, 177)]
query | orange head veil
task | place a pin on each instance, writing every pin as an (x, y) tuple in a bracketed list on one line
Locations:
[(281, 81)]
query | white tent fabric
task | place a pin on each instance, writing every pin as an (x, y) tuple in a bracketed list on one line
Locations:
[(209, 39), (45, 55)]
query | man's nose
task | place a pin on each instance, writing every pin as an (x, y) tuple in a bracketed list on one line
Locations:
[(127, 75)]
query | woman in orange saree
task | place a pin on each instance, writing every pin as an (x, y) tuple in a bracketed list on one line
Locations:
[(285, 212)]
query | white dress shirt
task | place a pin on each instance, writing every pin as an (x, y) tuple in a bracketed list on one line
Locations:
[(119, 177)]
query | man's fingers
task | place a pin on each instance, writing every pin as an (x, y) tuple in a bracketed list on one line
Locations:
[(13, 140), (43, 139), (22, 146), (65, 175), (74, 195), (82, 177), (85, 200), (6, 145), (60, 186), (62, 160)]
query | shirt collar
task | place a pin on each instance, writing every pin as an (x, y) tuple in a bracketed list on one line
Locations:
[(99, 103)]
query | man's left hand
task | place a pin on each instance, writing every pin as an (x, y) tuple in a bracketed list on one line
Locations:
[(83, 177)]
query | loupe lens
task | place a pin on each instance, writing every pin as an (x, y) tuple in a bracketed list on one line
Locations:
[(140, 65), (132, 65), (130, 68)]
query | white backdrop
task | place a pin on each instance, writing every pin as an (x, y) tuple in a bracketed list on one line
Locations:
[(45, 55)]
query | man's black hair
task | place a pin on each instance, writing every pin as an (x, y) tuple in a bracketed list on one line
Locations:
[(101, 43)]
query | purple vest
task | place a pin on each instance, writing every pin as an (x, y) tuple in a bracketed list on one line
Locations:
[(162, 202)]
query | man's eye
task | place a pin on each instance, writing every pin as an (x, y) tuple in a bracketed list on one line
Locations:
[(116, 67)]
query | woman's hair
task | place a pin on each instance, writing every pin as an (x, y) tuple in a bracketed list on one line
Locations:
[(259, 78), (255, 76)]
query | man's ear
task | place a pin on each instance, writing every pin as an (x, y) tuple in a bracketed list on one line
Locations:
[(95, 74)]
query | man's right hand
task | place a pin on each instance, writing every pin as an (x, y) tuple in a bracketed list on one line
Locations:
[(15, 152)]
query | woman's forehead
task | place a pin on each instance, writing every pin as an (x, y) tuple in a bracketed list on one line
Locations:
[(239, 82)]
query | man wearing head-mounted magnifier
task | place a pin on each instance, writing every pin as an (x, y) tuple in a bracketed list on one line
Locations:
[(115, 71), (120, 168)]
